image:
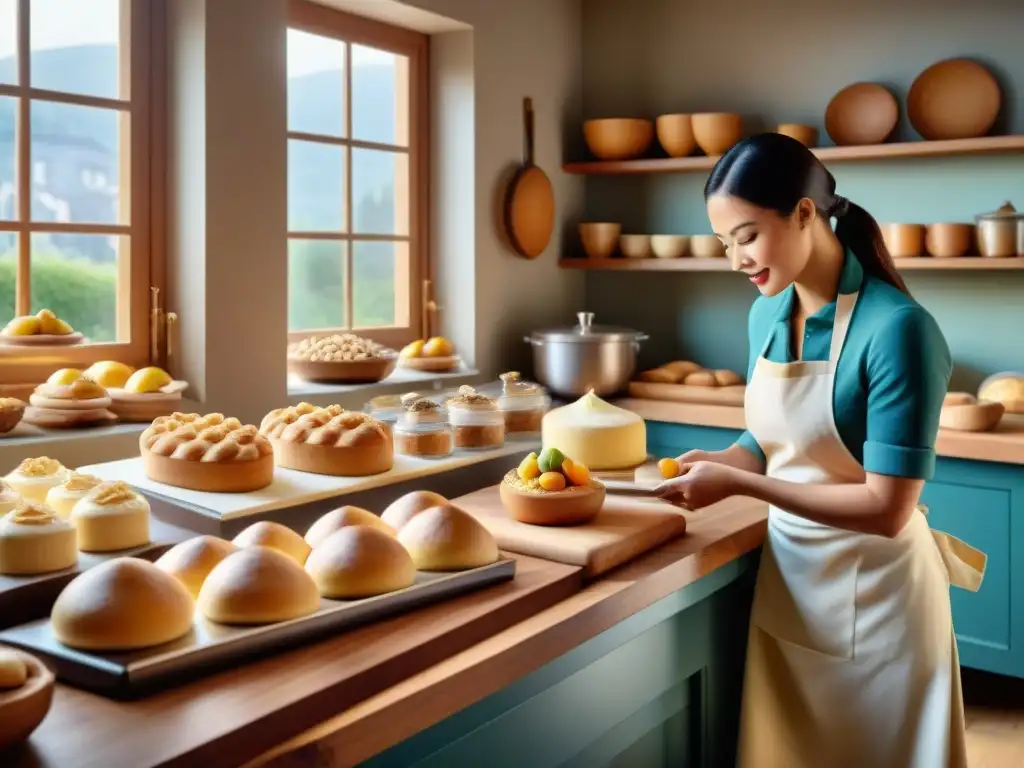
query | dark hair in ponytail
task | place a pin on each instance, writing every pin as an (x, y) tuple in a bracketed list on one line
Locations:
[(776, 172)]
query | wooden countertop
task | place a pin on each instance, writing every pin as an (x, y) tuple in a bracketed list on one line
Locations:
[(1004, 445)]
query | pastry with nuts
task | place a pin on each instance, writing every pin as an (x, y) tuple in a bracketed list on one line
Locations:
[(11, 411), (475, 420), (62, 498), (68, 399), (328, 441), (340, 358), (110, 518), (34, 540), (33, 478), (207, 453), (422, 430)]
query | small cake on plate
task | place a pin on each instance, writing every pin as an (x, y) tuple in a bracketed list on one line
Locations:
[(551, 489), (146, 394), (344, 517), (11, 411), (446, 538), (111, 517), (405, 508), (9, 498), (328, 441), (124, 604), (67, 399), (191, 561), (62, 498), (34, 478), (266, 533), (33, 540), (597, 433), (257, 585), (206, 453), (360, 561)]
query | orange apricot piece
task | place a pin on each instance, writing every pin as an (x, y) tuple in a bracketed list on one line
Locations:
[(552, 481), (669, 468), (577, 473)]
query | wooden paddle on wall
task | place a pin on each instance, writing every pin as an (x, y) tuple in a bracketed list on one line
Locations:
[(529, 200)]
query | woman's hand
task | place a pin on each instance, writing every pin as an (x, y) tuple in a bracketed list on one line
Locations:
[(701, 484), (735, 456)]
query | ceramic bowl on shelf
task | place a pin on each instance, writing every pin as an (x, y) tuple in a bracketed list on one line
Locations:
[(670, 246), (717, 132), (861, 114), (904, 241), (600, 238), (805, 134), (947, 240), (675, 134), (635, 246), (954, 99), (618, 138), (706, 247)]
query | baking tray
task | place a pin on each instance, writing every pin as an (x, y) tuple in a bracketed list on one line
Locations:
[(211, 646)]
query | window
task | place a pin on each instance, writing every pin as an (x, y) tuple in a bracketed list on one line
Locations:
[(357, 177), (75, 155)]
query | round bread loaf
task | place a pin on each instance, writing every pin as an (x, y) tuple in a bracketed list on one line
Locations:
[(404, 509), (276, 536), (191, 561), (445, 538), (13, 672), (344, 517), (360, 561)]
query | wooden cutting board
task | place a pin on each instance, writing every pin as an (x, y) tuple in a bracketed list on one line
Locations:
[(682, 393), (626, 527)]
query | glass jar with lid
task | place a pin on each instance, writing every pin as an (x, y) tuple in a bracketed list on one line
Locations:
[(387, 409), (476, 420), (422, 430), (522, 404)]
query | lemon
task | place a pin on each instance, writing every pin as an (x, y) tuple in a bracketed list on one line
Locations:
[(23, 326), (64, 376), (147, 380), (413, 349), (50, 324), (109, 374), (438, 347)]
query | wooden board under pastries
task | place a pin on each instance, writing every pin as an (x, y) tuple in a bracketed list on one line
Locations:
[(687, 382)]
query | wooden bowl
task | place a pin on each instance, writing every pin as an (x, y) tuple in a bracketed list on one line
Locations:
[(954, 99), (947, 240), (570, 507), (861, 114), (669, 246), (805, 134), (23, 709), (972, 417), (706, 247), (343, 372), (431, 364), (635, 246), (904, 241), (675, 134), (958, 398), (618, 138), (717, 132), (600, 238)]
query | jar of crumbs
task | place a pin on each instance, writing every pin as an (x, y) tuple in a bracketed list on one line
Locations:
[(422, 430), (522, 404), (476, 420)]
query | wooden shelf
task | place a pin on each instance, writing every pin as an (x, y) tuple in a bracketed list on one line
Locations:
[(984, 145), (722, 265)]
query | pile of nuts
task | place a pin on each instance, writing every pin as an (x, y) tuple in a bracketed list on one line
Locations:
[(338, 348)]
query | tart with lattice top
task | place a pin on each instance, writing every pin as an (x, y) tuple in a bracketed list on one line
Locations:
[(328, 441), (207, 453)]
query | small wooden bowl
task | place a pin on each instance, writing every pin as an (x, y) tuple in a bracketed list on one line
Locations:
[(669, 246), (618, 138), (555, 507), (675, 134), (904, 241), (343, 372), (706, 247), (635, 246), (958, 398), (948, 241), (430, 364), (600, 238), (973, 417), (717, 132), (805, 134), (42, 340), (23, 709)]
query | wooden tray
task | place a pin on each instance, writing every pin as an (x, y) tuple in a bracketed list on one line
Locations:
[(42, 340), (625, 528), (348, 372), (431, 364), (682, 393), (212, 645)]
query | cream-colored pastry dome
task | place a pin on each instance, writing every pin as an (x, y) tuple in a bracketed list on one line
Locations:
[(62, 498), (597, 434), (34, 540), (359, 561), (344, 517), (111, 517), (405, 508), (446, 538), (9, 498), (191, 561), (33, 478)]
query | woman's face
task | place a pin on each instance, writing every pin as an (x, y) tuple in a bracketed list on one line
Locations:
[(772, 250)]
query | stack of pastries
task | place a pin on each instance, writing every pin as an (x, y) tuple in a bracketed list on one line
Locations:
[(68, 399)]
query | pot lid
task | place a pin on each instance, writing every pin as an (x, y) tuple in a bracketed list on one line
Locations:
[(586, 331), (1005, 211)]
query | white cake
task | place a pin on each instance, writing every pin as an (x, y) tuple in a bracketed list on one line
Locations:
[(34, 540), (598, 434), (111, 517)]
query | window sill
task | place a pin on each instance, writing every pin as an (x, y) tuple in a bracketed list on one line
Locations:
[(355, 396), (71, 447)]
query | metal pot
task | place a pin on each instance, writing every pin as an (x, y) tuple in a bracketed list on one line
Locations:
[(573, 361), (1001, 233)]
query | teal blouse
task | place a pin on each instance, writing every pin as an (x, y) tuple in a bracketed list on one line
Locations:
[(892, 375)]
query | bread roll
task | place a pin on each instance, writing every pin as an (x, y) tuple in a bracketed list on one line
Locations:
[(701, 379), (402, 510), (726, 378), (360, 561), (121, 605), (276, 536), (191, 561), (344, 517), (111, 517), (445, 538), (13, 672), (660, 376), (682, 368), (257, 585)]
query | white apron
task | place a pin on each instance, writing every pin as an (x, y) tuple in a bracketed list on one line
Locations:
[(852, 661)]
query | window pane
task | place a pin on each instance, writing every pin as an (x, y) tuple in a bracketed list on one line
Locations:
[(316, 187), (316, 84), (9, 42), (380, 192), (316, 284), (74, 46), (380, 96), (378, 269), (75, 276), (8, 185), (8, 275), (75, 164)]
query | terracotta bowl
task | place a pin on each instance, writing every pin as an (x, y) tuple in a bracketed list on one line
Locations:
[(635, 246), (805, 134), (861, 114), (618, 138), (717, 132), (706, 247), (23, 709), (904, 241), (670, 246), (973, 417), (343, 372), (675, 134), (954, 99), (573, 507), (600, 238), (947, 240)]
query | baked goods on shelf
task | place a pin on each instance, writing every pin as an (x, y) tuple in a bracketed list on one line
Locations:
[(273, 535), (34, 540), (206, 453), (340, 358), (146, 394), (43, 328), (551, 489), (191, 561), (1005, 388), (13, 672), (122, 604), (67, 399), (9, 498), (522, 403), (405, 508), (446, 538), (111, 517), (475, 420), (257, 585), (435, 354), (359, 561), (328, 441), (33, 478), (691, 374), (11, 411), (423, 429), (598, 434), (344, 517), (62, 498)]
